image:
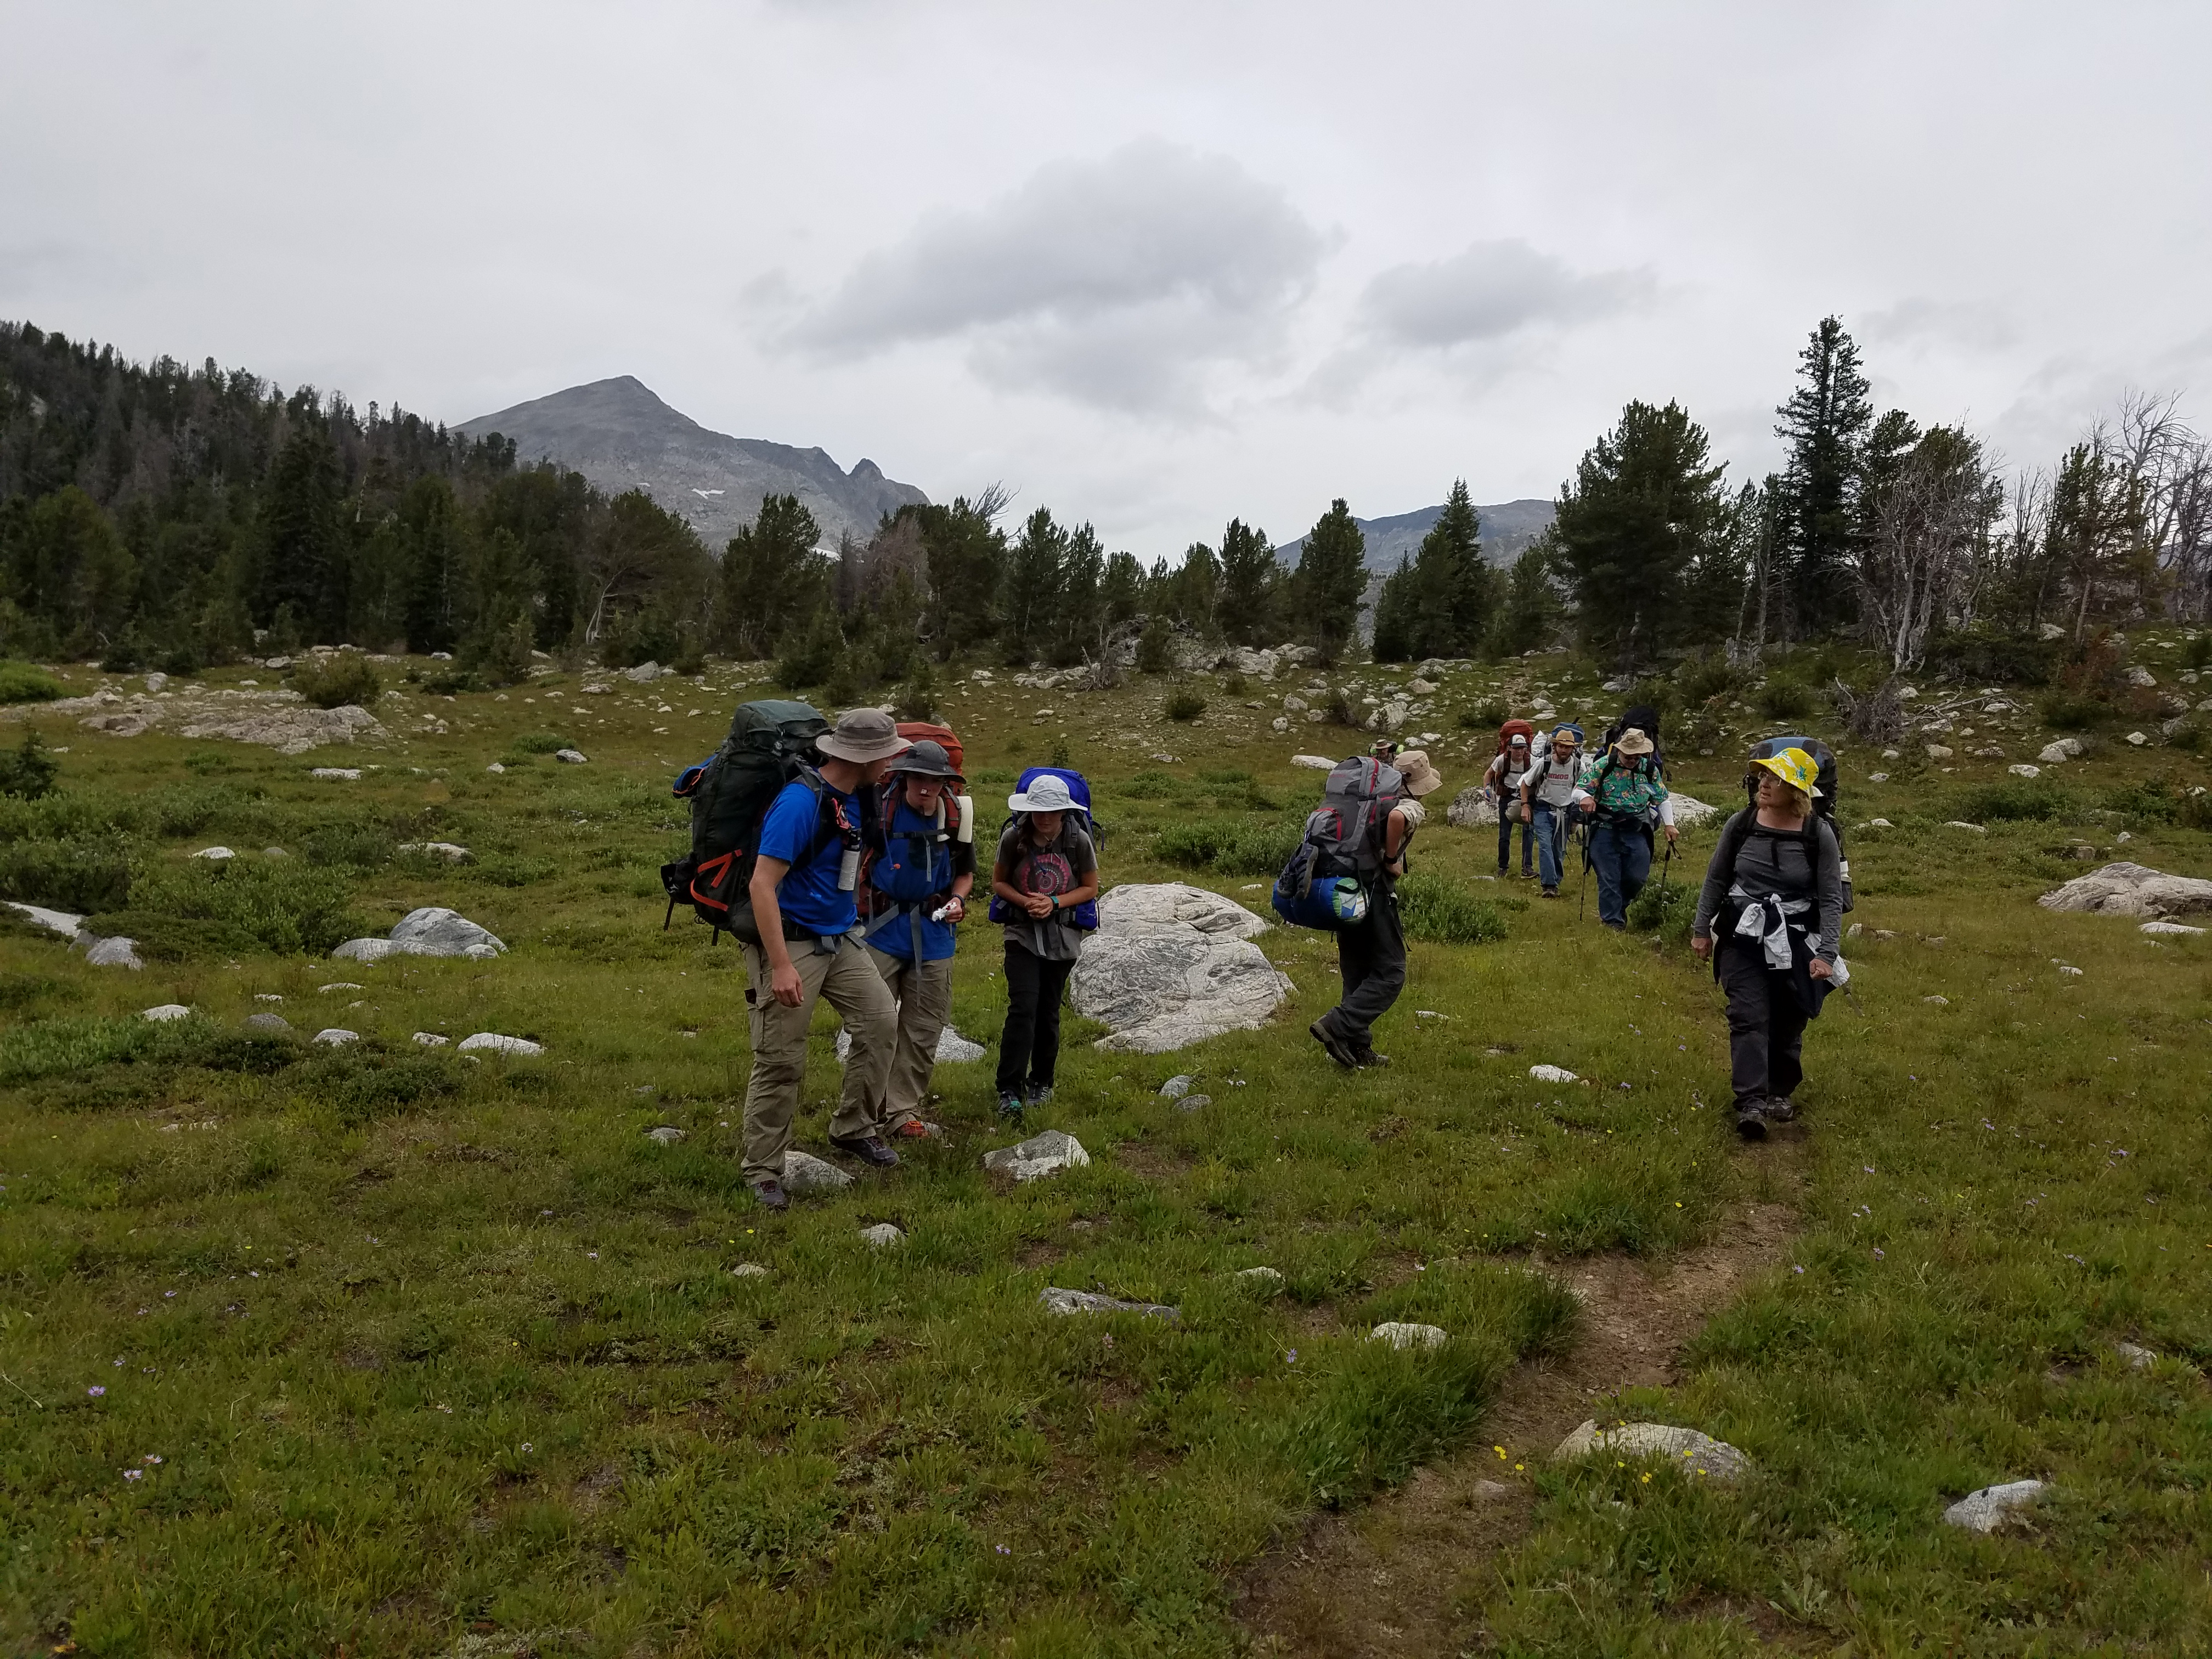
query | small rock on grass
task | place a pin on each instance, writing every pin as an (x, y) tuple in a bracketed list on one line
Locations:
[(117, 952), (570, 756), (952, 1048), (2168, 927), (2135, 1356), (166, 1012), (1059, 1301), (335, 1037), (1262, 1279), (1693, 1451), (432, 1039), (268, 1024), (1992, 1506), (505, 1045), (215, 855), (1192, 1102), (749, 1270), (339, 985), (348, 773), (1039, 1155), (667, 1134), (1177, 1086), (1400, 1334), (1553, 1074), (882, 1237), (803, 1172)]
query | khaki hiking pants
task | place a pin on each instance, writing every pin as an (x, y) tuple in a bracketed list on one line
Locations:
[(853, 987), (925, 1001)]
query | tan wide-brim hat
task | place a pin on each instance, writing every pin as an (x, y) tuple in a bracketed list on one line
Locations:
[(1421, 777), (863, 735), (1634, 741)]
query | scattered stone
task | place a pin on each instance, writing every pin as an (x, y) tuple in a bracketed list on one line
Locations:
[(1687, 1448), (58, 922), (803, 1172), (1941, 1002), (1263, 1279), (270, 1025), (1877, 777), (1056, 1300), (749, 1270), (571, 757), (1039, 1156), (1472, 808), (452, 852), (2065, 748), (339, 985), (2131, 889), (1880, 824), (1421, 688), (2024, 770), (1192, 1102), (2142, 677), (597, 690), (432, 1039), (1176, 1086), (335, 1036), (1553, 1074), (2136, 1356), (434, 931), (268, 996), (166, 1012), (117, 952), (1689, 812), (952, 1048), (347, 772), (1937, 751), (645, 672), (1401, 1335), (1314, 763), (1295, 704), (365, 951), (155, 682), (215, 855), (2067, 967), (1172, 965), (882, 1236), (1960, 824), (505, 1045), (667, 1134), (1993, 1506), (2137, 739), (2168, 927), (1855, 929)]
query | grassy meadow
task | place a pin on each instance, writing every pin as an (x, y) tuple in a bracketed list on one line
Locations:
[(388, 1350)]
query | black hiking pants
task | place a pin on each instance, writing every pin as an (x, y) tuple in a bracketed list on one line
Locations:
[(1767, 1025), (1028, 1048), (1372, 959)]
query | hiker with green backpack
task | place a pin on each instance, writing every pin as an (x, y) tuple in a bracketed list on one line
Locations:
[(1769, 919)]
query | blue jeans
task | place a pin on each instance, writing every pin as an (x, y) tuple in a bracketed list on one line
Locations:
[(1506, 808), (1550, 825), (1622, 855)]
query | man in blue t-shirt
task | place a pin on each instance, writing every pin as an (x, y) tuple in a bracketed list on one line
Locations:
[(802, 899), (923, 871)]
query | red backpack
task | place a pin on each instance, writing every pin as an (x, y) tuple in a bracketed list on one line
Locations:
[(1513, 729)]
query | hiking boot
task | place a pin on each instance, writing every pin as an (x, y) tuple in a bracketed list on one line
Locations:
[(1365, 1057), (1339, 1050), (771, 1196), (1751, 1120), (869, 1149), (1549, 892), (1010, 1106), (1039, 1094), (1779, 1108)]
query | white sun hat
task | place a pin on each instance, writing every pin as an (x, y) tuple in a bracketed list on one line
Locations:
[(1046, 793)]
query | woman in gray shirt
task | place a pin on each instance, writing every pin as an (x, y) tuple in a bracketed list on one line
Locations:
[(1774, 895)]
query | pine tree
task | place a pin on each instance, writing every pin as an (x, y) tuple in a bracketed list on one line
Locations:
[(1196, 590), (967, 554), (1029, 598), (1121, 589), (772, 579), (1330, 584), (1645, 502), (1459, 585), (1397, 614), (1251, 579), (1531, 606), (301, 561), (1080, 625), (1826, 424)]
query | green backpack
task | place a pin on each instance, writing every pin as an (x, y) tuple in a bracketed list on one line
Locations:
[(771, 743)]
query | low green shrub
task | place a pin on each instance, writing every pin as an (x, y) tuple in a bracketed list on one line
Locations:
[(538, 743), (1235, 847), (27, 771), (1150, 785), (21, 683), (1702, 678), (1484, 716), (2015, 800), (332, 682), (1185, 706), (1785, 699), (76, 876), (191, 908), (1987, 654), (1440, 911), (2196, 651), (2071, 711)]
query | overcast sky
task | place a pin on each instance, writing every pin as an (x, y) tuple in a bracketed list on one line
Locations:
[(1149, 264)]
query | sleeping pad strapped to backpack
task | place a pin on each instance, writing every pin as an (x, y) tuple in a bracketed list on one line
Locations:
[(1824, 804), (1326, 882), (771, 743)]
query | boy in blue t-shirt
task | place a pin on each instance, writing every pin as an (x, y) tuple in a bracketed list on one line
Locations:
[(922, 876), (803, 901)]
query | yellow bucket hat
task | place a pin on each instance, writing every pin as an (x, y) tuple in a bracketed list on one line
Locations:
[(1794, 768)]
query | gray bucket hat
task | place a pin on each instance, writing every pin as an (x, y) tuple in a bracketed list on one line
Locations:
[(926, 759), (862, 735)]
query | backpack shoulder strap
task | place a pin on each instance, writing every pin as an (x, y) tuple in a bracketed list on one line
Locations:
[(1733, 834)]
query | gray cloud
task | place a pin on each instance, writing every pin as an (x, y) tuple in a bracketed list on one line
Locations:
[(1119, 282), (1974, 325), (1491, 291)]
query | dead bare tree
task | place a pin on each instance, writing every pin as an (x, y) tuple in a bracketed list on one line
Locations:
[(1930, 533)]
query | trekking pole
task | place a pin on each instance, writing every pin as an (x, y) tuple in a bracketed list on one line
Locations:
[(1663, 864), (1582, 893)]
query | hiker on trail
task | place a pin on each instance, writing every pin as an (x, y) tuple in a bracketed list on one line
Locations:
[(1503, 781), (1548, 788), (1370, 954), (1625, 797), (1768, 918), (1045, 869), (920, 879), (802, 905)]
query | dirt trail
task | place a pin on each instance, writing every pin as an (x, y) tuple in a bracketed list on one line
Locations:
[(1381, 1579)]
